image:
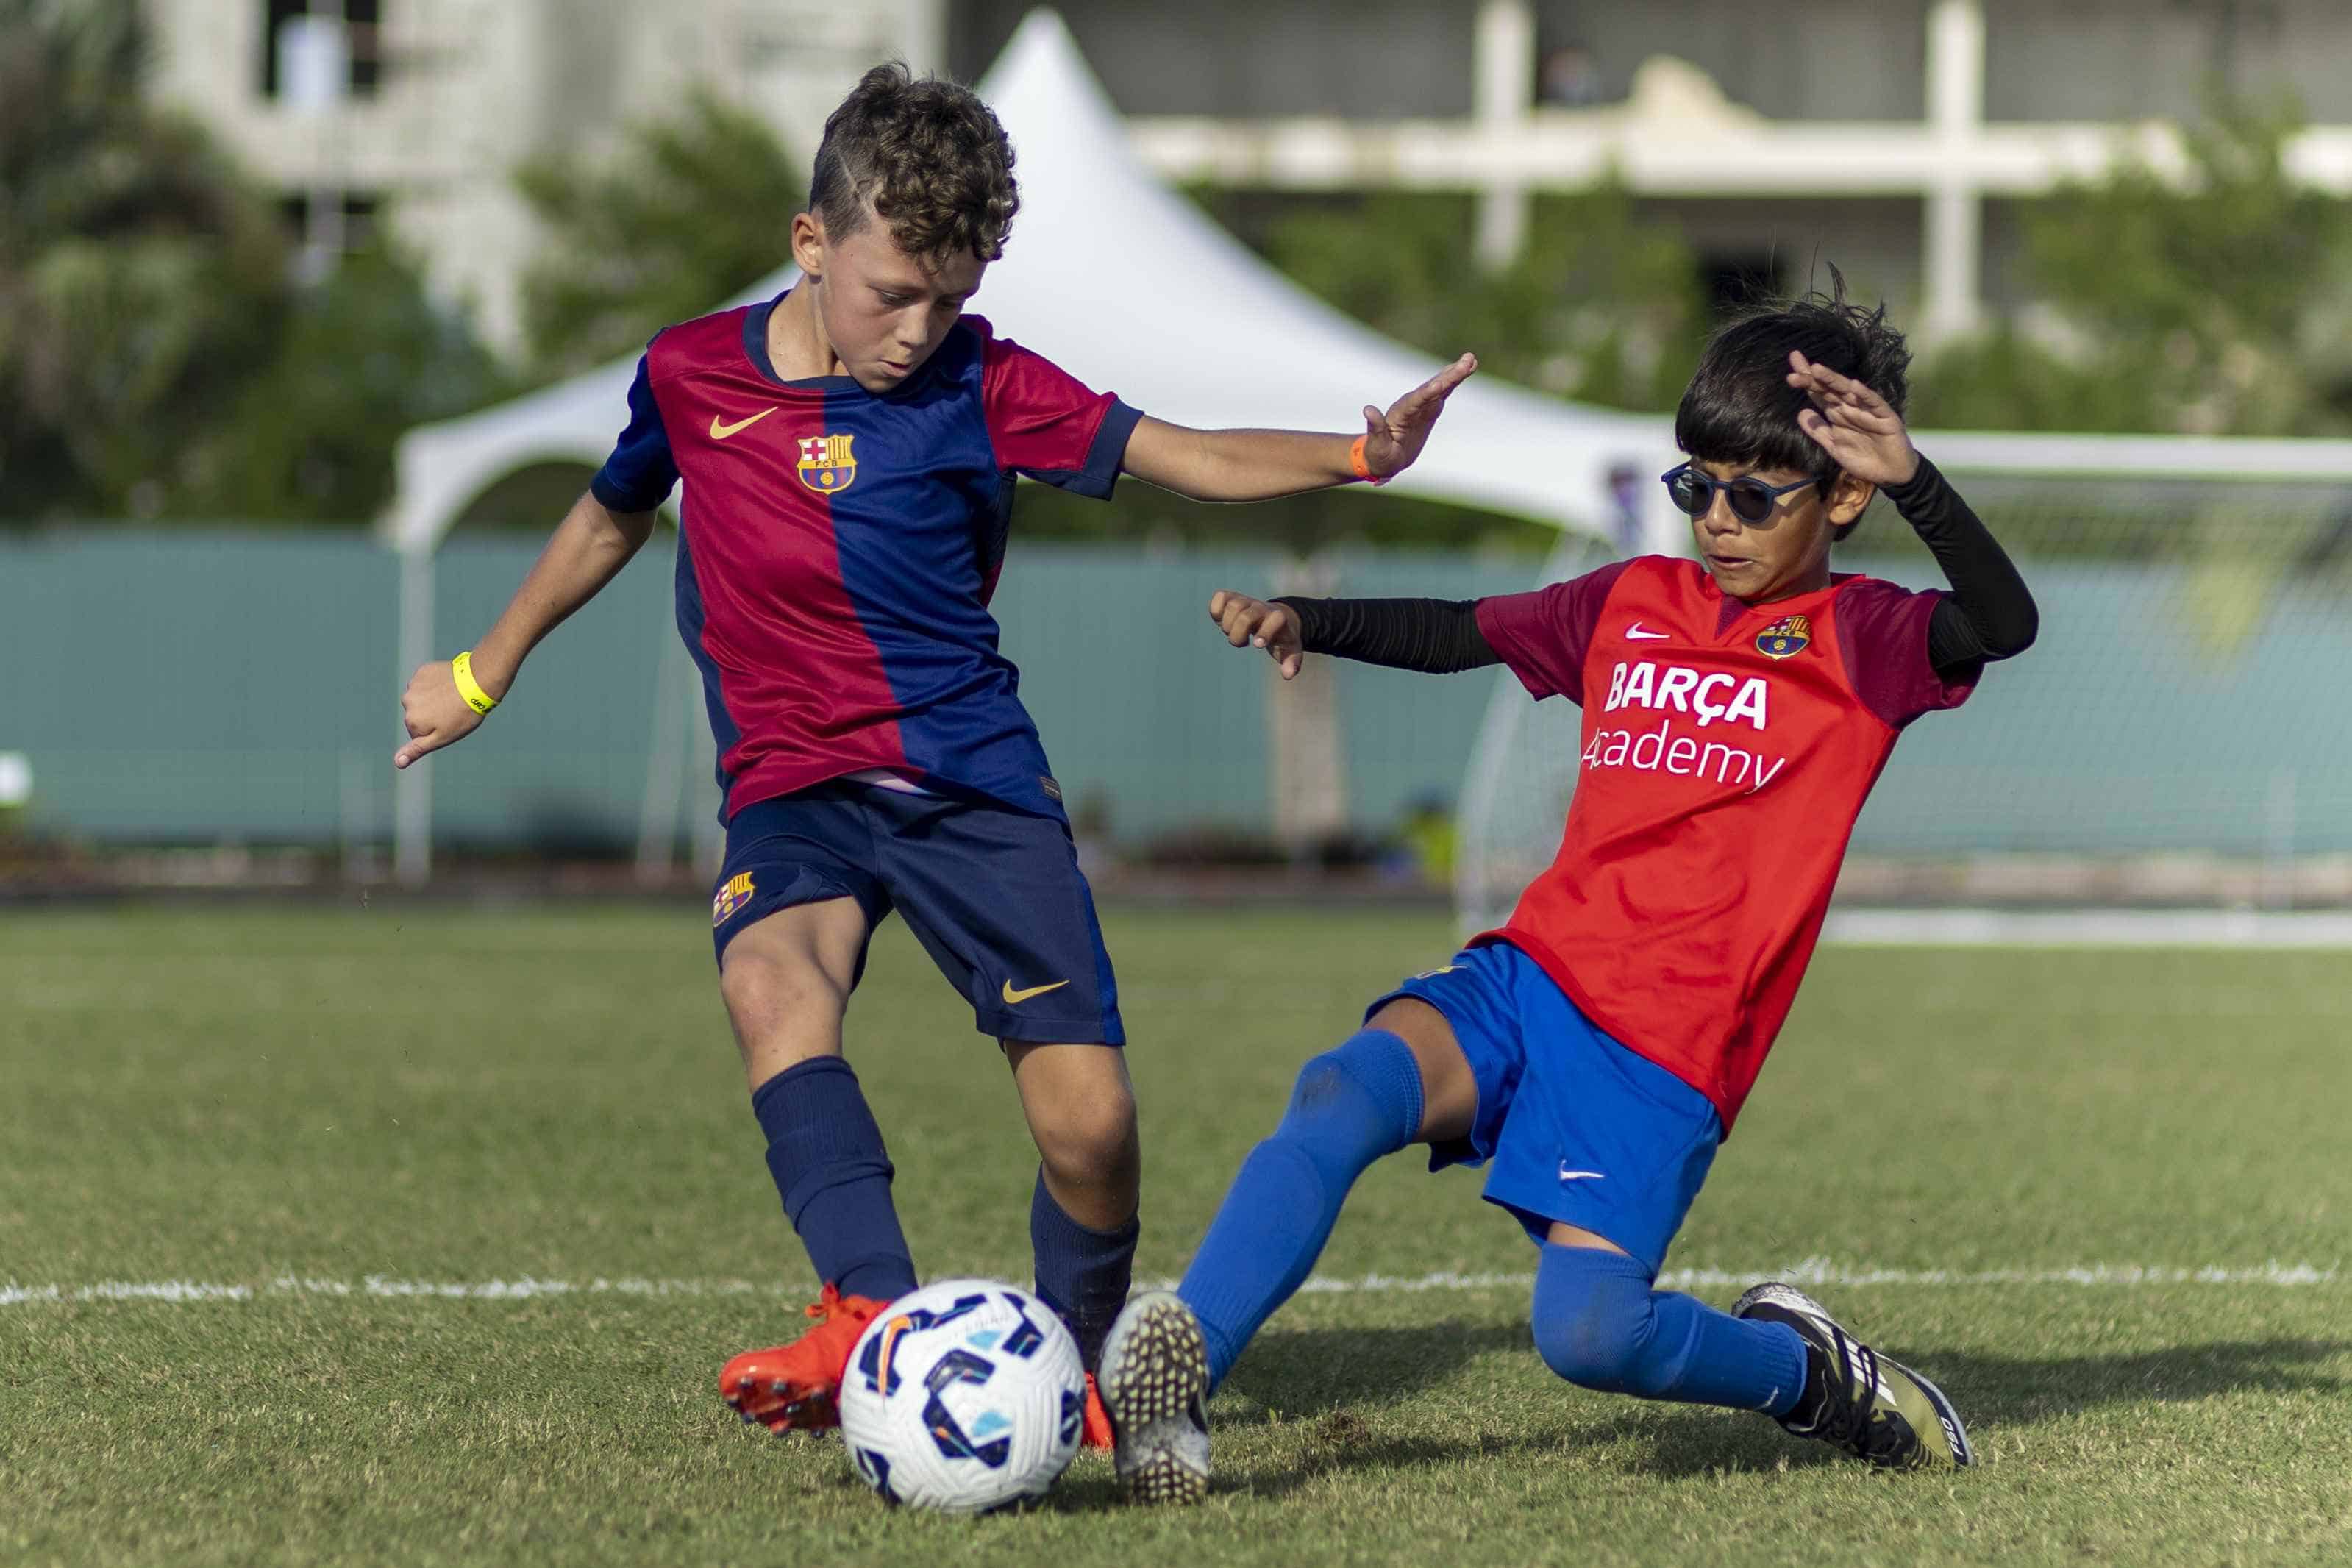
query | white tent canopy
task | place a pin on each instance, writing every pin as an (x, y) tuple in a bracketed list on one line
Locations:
[(1133, 290)]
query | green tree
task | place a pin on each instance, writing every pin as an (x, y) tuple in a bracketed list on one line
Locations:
[(1600, 305), (154, 353), (359, 359), (691, 212), (139, 272), (2209, 305)]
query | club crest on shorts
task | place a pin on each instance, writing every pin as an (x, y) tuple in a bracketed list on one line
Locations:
[(827, 465), (734, 893), (1788, 636)]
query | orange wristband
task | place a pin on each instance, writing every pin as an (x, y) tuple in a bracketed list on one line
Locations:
[(1364, 470)]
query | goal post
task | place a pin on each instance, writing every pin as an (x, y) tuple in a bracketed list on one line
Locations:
[(2180, 733)]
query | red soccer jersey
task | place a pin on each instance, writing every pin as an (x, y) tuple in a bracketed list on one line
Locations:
[(1727, 749)]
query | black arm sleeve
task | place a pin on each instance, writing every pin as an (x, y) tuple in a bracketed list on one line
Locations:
[(1990, 614), (1437, 636)]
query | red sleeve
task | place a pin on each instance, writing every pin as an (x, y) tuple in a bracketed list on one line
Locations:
[(1882, 632), (1045, 423), (1543, 636)]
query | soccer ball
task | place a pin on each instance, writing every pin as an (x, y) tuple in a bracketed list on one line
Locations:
[(964, 1396)]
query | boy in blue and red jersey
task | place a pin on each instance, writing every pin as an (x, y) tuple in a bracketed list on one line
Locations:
[(849, 450), (1595, 1050)]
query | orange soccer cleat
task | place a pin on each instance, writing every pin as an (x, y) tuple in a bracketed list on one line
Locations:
[(1097, 1433), (793, 1387)]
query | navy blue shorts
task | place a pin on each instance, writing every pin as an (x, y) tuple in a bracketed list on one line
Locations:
[(1579, 1129), (994, 895)]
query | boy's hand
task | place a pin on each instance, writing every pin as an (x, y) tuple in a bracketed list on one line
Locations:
[(1392, 440), (1253, 623), (1854, 424), (436, 714)]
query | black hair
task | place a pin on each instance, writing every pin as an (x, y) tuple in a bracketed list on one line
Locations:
[(1739, 407)]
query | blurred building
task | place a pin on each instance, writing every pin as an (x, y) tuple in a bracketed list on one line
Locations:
[(423, 108), (1894, 137)]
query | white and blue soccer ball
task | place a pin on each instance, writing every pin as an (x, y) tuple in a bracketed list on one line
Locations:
[(965, 1397)]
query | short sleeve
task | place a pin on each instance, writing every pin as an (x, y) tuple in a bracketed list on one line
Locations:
[(1542, 637), (640, 473), (1045, 423), (1882, 632)]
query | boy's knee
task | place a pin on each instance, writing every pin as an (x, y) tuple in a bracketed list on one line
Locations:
[(1601, 1335), (1362, 1098), (1090, 1141), (1352, 1073), (1321, 1080)]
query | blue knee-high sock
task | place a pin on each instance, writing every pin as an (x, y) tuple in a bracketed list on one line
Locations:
[(831, 1169), (1600, 1325), (1352, 1104), (1082, 1273)]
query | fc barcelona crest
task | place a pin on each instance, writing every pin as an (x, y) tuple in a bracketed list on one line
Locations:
[(827, 465), (734, 894), (1788, 636)]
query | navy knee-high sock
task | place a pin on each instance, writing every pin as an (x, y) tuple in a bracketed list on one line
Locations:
[(1082, 1273), (834, 1175), (1351, 1105)]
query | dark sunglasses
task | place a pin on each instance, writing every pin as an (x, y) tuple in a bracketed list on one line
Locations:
[(1751, 499)]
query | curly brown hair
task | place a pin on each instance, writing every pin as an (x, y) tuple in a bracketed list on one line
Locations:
[(927, 157)]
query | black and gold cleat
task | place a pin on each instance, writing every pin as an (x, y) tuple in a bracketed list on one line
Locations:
[(1155, 1386), (1873, 1407)]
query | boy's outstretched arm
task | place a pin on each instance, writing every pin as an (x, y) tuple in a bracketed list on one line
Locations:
[(1435, 637), (588, 547), (1259, 464), (1990, 614)]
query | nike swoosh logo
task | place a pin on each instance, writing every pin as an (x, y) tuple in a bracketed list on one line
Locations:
[(890, 1333), (1568, 1175), (1014, 999), (1637, 631), (719, 432)]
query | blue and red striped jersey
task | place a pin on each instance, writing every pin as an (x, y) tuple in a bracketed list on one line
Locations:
[(838, 549)]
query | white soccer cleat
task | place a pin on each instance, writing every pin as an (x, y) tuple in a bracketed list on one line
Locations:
[(1155, 1384), (1869, 1404)]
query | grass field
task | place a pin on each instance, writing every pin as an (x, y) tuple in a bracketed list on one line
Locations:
[(427, 1099)]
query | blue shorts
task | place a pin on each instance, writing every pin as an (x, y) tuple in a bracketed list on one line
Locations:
[(1579, 1129), (994, 895)]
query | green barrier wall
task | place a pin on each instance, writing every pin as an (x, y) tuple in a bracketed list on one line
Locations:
[(190, 687)]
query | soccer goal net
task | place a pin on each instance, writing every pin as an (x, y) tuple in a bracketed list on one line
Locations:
[(2182, 732)]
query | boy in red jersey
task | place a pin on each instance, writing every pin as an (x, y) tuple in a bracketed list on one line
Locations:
[(1597, 1048), (850, 450)]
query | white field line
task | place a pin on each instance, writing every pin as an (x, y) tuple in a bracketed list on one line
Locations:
[(1809, 1271), (2304, 929), (1822, 1272)]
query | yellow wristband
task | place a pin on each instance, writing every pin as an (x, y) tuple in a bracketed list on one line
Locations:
[(462, 667)]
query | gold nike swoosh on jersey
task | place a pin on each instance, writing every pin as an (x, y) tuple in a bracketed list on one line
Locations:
[(1014, 999), (721, 431)]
